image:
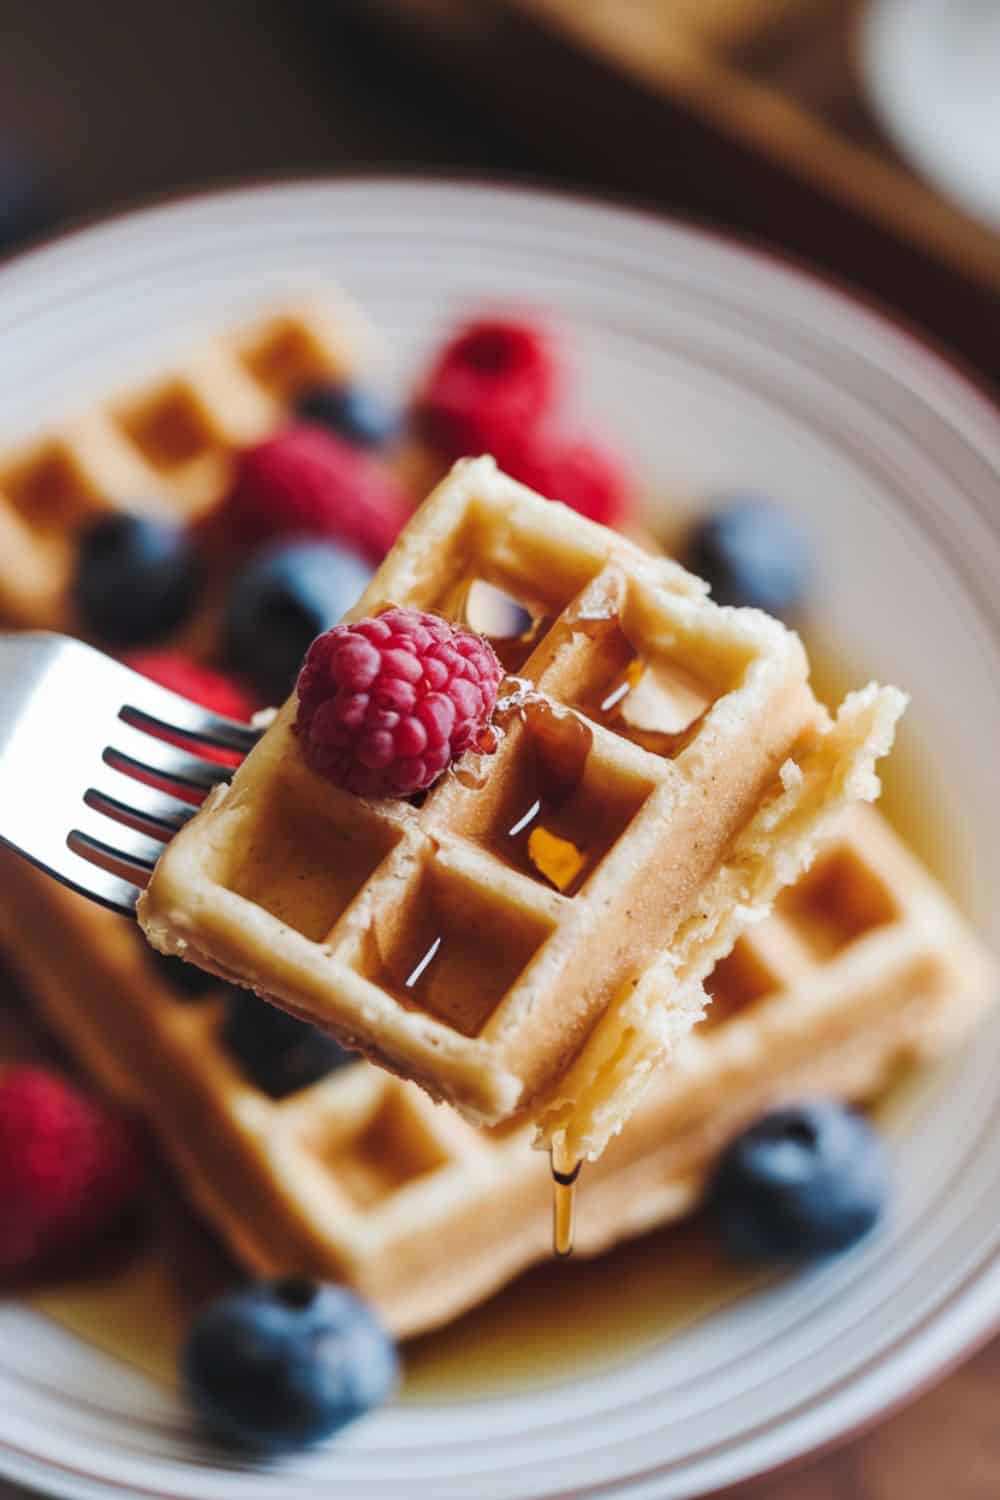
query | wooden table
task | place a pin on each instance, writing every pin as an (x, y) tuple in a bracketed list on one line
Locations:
[(122, 100)]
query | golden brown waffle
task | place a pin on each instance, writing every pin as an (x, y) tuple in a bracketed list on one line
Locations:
[(644, 730), (162, 448), (865, 966)]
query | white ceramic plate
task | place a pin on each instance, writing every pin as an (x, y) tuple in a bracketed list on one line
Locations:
[(933, 71), (718, 367)]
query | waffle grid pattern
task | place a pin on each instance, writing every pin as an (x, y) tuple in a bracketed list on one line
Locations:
[(453, 959), (162, 449)]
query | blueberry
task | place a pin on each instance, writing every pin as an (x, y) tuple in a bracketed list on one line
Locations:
[(752, 553), (280, 603), (354, 412), (803, 1181), (275, 1051), (278, 1365), (135, 578)]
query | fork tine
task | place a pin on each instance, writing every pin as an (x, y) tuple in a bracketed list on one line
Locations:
[(87, 879), (134, 803), (189, 719), (96, 834), (99, 885), (106, 889), (66, 753), (134, 751)]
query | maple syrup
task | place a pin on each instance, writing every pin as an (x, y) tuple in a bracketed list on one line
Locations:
[(565, 1173), (511, 630), (544, 835), (656, 705)]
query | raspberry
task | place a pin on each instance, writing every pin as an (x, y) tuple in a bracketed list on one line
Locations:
[(201, 684), (69, 1167), (581, 474), (306, 481), (385, 705), (490, 382)]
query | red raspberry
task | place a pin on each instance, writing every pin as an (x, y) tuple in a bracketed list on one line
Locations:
[(306, 481), (387, 704), (201, 684), (69, 1168), (581, 474), (493, 379)]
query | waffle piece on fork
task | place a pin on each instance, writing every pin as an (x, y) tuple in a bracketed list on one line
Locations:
[(646, 730)]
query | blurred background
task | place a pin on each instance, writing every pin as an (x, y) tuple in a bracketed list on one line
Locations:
[(857, 133)]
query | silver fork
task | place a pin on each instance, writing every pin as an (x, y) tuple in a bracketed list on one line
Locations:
[(77, 732)]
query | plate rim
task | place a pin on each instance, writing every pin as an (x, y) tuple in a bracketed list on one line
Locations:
[(923, 342)]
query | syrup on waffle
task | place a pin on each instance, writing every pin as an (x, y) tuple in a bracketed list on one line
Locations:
[(429, 937)]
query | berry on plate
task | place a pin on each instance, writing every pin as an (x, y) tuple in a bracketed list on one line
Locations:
[(492, 380), (803, 1181), (753, 553), (69, 1168), (386, 704), (281, 601), (135, 578), (277, 1366), (308, 482), (192, 679), (201, 684), (277, 1052), (582, 474), (355, 412)]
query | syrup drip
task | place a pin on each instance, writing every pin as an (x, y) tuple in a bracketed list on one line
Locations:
[(564, 1179)]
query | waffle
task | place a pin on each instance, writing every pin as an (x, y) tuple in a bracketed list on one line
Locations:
[(864, 967), (162, 448), (432, 937)]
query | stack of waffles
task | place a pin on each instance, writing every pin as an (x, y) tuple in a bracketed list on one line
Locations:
[(863, 966)]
